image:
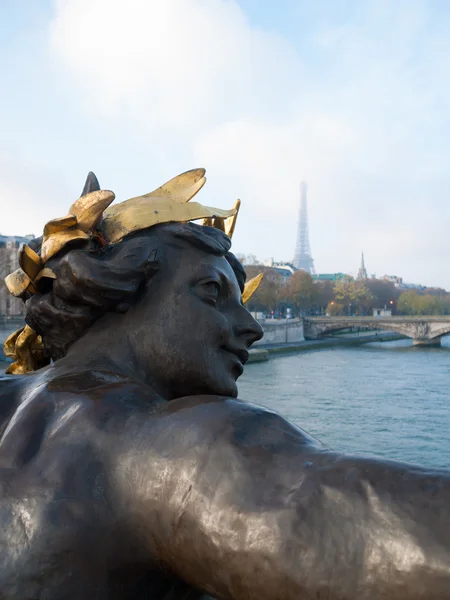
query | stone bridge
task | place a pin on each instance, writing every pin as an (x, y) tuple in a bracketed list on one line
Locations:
[(421, 329)]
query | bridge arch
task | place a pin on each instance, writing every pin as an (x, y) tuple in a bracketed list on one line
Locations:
[(331, 328), (422, 329), (440, 332)]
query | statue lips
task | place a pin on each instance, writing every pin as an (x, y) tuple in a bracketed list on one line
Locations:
[(240, 353)]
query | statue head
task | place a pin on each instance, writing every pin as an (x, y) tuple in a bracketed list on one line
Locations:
[(169, 291)]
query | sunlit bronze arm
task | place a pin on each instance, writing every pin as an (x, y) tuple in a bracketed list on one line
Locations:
[(242, 504)]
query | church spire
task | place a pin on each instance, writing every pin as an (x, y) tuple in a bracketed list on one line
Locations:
[(362, 273)]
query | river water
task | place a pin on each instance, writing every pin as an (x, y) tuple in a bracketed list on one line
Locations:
[(387, 399), (390, 399)]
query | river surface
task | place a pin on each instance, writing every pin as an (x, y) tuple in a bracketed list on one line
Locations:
[(388, 399)]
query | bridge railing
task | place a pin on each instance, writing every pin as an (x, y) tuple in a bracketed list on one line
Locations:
[(403, 318)]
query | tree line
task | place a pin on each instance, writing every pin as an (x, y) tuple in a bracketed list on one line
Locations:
[(304, 296)]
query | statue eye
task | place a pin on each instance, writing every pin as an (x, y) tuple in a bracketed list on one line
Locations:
[(212, 289)]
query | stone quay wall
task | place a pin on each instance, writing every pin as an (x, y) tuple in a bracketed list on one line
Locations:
[(281, 332)]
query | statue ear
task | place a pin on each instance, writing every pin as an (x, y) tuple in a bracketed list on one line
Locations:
[(91, 185)]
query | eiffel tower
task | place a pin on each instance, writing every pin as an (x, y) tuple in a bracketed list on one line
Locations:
[(302, 258)]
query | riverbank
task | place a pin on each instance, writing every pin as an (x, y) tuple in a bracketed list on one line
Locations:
[(265, 351)]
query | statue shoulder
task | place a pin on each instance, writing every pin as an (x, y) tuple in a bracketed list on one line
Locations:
[(55, 457), (41, 411), (243, 423), (11, 393)]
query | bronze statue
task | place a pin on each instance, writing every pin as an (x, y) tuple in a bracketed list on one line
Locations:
[(129, 468)]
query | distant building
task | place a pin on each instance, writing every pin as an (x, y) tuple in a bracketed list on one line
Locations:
[(393, 279), (362, 273), (382, 312), (401, 285), (329, 276), (9, 248), (284, 270), (410, 286)]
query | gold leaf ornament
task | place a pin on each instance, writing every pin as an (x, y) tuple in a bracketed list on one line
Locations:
[(89, 209), (84, 214), (168, 203), (27, 277), (251, 286), (181, 188), (230, 223), (30, 262), (25, 347), (141, 213), (18, 283)]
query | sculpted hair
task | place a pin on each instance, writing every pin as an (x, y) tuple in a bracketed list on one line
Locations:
[(91, 282)]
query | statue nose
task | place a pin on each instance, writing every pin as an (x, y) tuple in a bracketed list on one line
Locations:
[(249, 329)]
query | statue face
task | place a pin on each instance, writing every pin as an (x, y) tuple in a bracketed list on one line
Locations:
[(190, 332)]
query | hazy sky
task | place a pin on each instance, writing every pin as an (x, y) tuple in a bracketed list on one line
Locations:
[(351, 96)]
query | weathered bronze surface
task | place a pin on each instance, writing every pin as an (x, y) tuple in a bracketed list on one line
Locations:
[(131, 470)]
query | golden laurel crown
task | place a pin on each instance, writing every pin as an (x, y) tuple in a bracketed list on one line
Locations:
[(168, 203)]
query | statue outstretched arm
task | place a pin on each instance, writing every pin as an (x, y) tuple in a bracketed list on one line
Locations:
[(242, 504)]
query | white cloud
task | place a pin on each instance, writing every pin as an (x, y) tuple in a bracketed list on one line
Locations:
[(175, 65), (359, 112)]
